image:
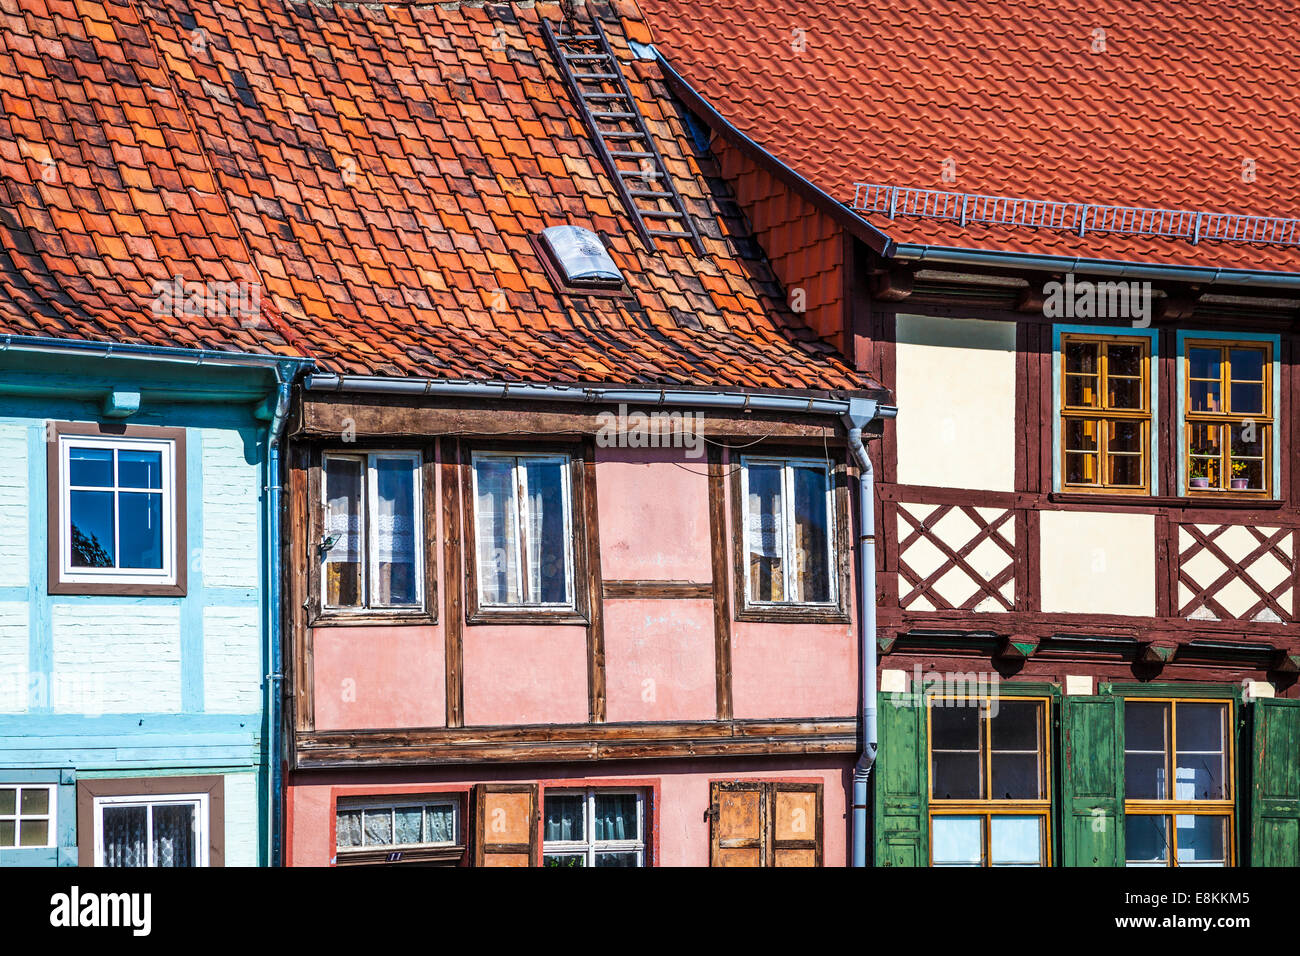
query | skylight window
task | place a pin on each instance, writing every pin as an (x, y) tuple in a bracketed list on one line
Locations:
[(580, 257)]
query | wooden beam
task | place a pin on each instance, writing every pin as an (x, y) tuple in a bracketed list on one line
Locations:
[(672, 590), (454, 623), (596, 607), (720, 584)]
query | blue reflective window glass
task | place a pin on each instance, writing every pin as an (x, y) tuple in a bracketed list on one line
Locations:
[(139, 469), (90, 467), (140, 530), (92, 528)]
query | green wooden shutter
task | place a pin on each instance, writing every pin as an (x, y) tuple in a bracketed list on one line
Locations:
[(902, 783), (1092, 784), (1275, 803)]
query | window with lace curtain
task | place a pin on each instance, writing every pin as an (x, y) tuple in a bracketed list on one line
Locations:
[(372, 549), (523, 532), (585, 828), (167, 831), (787, 539)]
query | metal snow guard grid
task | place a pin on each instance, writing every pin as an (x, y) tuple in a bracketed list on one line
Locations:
[(1080, 218)]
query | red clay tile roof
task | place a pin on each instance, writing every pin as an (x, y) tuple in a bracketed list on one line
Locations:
[(379, 171), (1014, 93)]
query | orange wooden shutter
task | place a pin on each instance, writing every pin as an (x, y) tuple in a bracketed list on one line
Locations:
[(738, 824), (505, 824), (796, 824)]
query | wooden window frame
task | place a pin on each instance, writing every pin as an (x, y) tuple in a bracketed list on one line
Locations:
[(1173, 807), (1267, 419), (578, 612), (1100, 413), (171, 581), (438, 853), (989, 807), (51, 816), (319, 615), (835, 611), (589, 846), (92, 793)]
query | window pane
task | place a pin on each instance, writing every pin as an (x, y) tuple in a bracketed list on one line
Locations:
[(139, 469), (1125, 470), (348, 828), (1081, 391), (173, 835), (125, 833), (616, 859), (140, 531), (1247, 365), (1081, 357), (8, 833), (564, 817), (1206, 396), (1146, 840), (1203, 363), (343, 543), (495, 531), (378, 826), (1202, 754), (35, 800), (92, 528), (35, 833), (956, 763), (1015, 841), (1125, 393), (1146, 746), (395, 531), (1125, 360), (1202, 841), (765, 535), (958, 841), (8, 800), (548, 557), (90, 466), (616, 817), (811, 535), (1081, 434), (568, 860), (440, 823), (1016, 772), (1247, 399), (409, 825), (1080, 469), (1124, 436)]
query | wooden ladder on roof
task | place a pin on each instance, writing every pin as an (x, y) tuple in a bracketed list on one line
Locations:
[(627, 150)]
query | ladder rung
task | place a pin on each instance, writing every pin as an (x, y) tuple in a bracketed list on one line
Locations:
[(601, 77), (638, 174), (602, 96), (668, 233), (633, 135), (604, 115), (633, 155), (660, 214), (574, 57), (648, 194), (576, 37)]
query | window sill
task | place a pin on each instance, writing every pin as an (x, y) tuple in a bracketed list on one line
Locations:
[(526, 615), (394, 618), (110, 588), (792, 614), (1225, 500)]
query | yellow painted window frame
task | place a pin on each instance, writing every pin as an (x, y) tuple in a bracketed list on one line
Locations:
[(1103, 414), (1199, 808), (1265, 420), (989, 807)]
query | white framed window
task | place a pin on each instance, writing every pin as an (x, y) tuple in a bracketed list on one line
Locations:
[(165, 831), (523, 530), (117, 510), (28, 815), (372, 553), (788, 521), (397, 823), (594, 827)]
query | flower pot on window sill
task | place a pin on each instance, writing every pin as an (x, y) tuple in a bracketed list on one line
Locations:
[(1240, 484), (1200, 483)]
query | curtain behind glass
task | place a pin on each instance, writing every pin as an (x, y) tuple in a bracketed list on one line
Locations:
[(548, 570), (495, 531), (125, 833), (764, 537), (811, 535), (615, 817), (173, 835), (343, 482), (395, 531)]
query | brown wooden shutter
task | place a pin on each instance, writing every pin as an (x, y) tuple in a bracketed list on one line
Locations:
[(796, 824), (505, 824), (766, 824), (738, 824)]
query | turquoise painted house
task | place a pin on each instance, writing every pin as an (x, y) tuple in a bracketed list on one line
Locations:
[(138, 630)]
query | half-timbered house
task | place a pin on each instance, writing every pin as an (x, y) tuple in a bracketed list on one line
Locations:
[(1060, 236)]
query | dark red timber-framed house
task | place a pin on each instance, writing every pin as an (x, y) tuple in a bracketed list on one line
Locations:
[(1062, 236)]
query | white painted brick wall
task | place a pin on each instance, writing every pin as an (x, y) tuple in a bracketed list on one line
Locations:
[(117, 658), (14, 620), (230, 512), (241, 819), (232, 660), (14, 504)]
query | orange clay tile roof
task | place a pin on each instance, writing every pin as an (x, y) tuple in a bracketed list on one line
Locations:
[(1156, 104), (378, 171)]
